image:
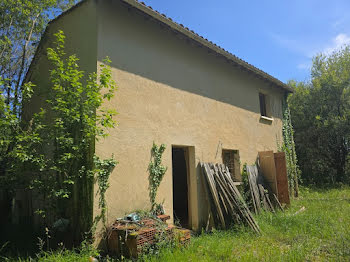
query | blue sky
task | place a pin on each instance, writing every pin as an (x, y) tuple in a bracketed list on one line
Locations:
[(277, 36)]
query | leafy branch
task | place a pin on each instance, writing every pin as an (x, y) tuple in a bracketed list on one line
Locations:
[(57, 147)]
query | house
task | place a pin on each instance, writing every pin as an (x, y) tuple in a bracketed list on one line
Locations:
[(176, 88)]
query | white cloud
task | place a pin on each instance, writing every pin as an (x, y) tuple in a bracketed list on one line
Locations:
[(295, 45), (337, 43), (309, 49), (336, 24), (304, 66)]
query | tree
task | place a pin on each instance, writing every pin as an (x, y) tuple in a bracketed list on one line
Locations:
[(10, 131), (21, 26), (321, 117), (54, 152), (61, 159)]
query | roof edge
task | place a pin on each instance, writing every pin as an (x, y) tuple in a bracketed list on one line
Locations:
[(194, 36), (186, 32)]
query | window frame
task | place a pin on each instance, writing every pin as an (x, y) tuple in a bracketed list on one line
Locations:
[(235, 167), (264, 105)]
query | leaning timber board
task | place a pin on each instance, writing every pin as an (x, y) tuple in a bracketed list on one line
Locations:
[(252, 179), (281, 177), (212, 186), (268, 169)]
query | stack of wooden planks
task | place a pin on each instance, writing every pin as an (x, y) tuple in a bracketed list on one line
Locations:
[(260, 196), (226, 202)]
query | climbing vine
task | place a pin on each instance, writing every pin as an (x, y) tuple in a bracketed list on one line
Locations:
[(156, 173), (103, 170), (288, 146)]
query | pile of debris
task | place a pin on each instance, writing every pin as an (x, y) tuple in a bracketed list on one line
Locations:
[(261, 196), (226, 203), (131, 235)]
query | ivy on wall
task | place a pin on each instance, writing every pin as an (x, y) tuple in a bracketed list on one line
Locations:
[(156, 173), (288, 147), (103, 170)]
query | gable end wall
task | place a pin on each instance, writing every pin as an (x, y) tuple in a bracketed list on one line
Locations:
[(175, 92)]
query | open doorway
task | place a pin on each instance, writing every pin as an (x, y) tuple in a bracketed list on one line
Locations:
[(180, 185)]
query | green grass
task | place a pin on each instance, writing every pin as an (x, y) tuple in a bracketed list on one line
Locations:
[(320, 233), (61, 255)]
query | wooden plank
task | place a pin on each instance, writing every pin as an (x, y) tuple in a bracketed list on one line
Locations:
[(212, 187), (281, 178), (222, 202), (254, 180), (269, 202), (278, 202), (252, 192), (262, 195), (225, 176), (268, 169), (226, 197), (241, 205), (253, 176), (246, 210), (212, 214), (213, 183), (219, 190)]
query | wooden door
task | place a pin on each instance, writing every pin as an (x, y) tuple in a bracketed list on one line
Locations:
[(281, 178), (268, 169)]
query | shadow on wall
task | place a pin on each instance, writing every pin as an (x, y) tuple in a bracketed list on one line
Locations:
[(141, 46)]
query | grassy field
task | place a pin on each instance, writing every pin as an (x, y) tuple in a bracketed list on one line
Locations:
[(319, 233)]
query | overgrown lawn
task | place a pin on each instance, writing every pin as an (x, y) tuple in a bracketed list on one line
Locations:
[(319, 233)]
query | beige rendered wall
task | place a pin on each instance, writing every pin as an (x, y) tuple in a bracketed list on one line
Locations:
[(176, 93)]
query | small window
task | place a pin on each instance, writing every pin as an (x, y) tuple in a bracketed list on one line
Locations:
[(230, 158), (262, 100)]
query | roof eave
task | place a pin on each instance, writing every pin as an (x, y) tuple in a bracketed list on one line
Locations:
[(192, 35), (188, 33)]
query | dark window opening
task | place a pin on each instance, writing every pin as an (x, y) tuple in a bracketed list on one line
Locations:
[(230, 158), (262, 100), (180, 186)]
